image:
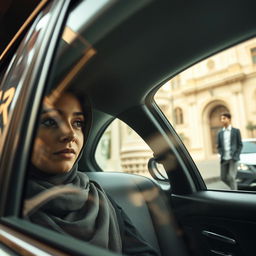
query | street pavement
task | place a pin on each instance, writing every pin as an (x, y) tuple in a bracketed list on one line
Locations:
[(210, 171)]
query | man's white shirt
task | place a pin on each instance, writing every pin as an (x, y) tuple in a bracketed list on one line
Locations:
[(227, 144)]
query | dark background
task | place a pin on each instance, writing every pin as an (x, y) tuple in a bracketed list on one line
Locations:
[(13, 14)]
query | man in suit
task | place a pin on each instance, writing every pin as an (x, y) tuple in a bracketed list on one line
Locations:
[(229, 145)]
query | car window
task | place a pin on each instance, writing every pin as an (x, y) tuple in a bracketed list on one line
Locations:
[(249, 147), (194, 100), (121, 149)]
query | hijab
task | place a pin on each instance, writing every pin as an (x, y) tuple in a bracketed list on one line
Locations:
[(71, 204)]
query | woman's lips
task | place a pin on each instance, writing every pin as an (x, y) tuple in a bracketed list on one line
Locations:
[(66, 153)]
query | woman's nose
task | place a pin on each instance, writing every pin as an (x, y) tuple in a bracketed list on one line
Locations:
[(67, 134)]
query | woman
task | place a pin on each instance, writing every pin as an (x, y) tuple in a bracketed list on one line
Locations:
[(88, 213)]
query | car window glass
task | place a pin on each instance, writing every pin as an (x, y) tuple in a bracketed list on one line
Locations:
[(194, 100), (14, 76), (249, 147), (121, 149)]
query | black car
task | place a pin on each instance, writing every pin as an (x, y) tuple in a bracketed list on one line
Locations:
[(118, 54)]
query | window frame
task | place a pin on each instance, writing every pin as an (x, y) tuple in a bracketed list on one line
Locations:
[(20, 133)]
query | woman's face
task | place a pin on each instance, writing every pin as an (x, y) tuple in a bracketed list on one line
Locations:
[(60, 135)]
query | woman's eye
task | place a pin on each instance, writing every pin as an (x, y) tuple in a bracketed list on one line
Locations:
[(49, 122), (78, 123)]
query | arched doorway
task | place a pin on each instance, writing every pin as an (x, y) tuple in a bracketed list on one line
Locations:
[(215, 124)]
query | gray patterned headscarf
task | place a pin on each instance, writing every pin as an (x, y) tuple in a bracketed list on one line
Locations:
[(85, 213)]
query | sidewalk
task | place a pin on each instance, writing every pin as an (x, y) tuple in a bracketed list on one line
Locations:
[(209, 169)]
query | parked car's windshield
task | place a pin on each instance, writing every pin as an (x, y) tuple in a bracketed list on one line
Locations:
[(249, 147)]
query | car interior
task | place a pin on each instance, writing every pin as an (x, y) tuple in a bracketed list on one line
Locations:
[(122, 56)]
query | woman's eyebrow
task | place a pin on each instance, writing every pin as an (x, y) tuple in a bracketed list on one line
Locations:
[(78, 114), (47, 110)]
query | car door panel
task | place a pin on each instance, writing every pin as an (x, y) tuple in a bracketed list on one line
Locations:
[(218, 222)]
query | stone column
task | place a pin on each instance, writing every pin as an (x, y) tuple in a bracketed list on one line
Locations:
[(239, 114), (115, 146)]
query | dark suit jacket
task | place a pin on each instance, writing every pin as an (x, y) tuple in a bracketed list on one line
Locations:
[(236, 144)]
